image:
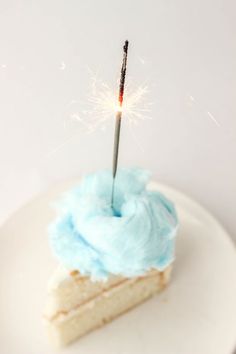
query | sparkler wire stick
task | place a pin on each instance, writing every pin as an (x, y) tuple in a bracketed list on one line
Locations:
[(118, 118)]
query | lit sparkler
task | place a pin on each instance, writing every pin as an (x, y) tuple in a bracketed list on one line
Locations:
[(103, 104), (118, 118)]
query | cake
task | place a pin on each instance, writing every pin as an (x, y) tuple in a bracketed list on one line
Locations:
[(76, 305), (111, 259)]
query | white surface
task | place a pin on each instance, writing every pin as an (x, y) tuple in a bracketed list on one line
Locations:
[(196, 314), (181, 48)]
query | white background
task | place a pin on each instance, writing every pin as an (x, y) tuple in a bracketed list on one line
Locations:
[(184, 50)]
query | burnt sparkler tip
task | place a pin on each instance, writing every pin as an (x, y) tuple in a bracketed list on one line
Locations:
[(126, 46)]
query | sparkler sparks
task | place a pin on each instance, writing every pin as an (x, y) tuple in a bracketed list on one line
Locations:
[(102, 104), (213, 119), (62, 65), (209, 114)]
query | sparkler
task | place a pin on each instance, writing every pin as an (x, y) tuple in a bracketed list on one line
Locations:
[(118, 118)]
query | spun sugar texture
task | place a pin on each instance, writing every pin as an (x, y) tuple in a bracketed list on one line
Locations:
[(137, 234)]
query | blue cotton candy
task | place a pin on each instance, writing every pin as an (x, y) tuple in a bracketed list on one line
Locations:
[(136, 235)]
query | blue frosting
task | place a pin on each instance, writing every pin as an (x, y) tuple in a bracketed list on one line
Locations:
[(136, 235)]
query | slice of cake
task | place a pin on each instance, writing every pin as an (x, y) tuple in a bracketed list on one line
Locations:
[(121, 255), (76, 305)]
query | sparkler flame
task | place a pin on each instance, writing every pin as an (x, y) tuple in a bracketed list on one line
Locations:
[(102, 104)]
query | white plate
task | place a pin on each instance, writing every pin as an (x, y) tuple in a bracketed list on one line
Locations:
[(196, 314)]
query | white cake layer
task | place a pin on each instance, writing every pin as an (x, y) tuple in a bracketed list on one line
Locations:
[(66, 326), (69, 289)]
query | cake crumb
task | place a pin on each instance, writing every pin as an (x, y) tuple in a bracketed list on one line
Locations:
[(74, 273)]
